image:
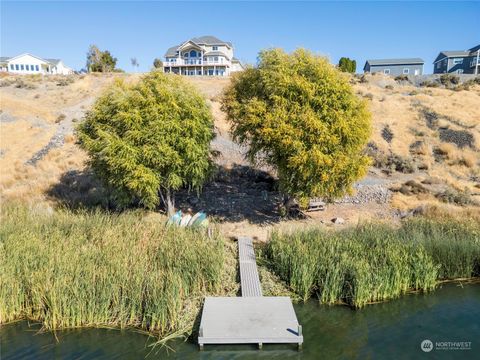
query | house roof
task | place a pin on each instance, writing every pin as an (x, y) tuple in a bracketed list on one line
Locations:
[(457, 53), (210, 40), (53, 61), (202, 40), (407, 61), (50, 61)]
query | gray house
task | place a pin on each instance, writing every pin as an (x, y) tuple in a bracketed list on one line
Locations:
[(395, 67), (460, 62)]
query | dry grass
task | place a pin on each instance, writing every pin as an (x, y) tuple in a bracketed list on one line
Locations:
[(35, 112)]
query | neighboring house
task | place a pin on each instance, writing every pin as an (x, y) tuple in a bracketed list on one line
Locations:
[(395, 66), (31, 64), (205, 56), (460, 62)]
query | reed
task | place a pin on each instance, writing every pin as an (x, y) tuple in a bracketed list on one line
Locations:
[(375, 262), (80, 269)]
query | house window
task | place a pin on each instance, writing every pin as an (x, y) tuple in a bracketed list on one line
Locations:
[(22, 67), (457, 61), (11, 67), (36, 67), (214, 47), (193, 53), (17, 67), (215, 58), (406, 70), (438, 65), (27, 67), (460, 71), (386, 71)]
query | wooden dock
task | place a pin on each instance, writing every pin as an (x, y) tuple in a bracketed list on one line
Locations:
[(251, 318)]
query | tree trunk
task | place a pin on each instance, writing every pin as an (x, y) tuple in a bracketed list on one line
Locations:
[(170, 203)]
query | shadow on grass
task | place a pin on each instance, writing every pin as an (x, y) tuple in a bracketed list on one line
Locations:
[(81, 190)]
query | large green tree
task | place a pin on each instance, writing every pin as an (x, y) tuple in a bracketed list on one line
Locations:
[(149, 139), (100, 61), (299, 114), (346, 64)]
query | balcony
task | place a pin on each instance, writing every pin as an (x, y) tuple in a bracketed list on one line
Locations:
[(194, 62), (475, 62)]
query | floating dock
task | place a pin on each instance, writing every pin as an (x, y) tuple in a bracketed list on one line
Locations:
[(251, 318)]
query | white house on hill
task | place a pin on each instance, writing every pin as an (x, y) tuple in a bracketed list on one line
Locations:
[(31, 64), (205, 55)]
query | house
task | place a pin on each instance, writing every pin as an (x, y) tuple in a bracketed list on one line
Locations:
[(395, 67), (205, 56), (31, 64), (460, 62)]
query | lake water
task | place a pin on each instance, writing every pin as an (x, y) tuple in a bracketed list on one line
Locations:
[(391, 330)]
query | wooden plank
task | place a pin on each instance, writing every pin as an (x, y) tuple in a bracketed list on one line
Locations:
[(250, 282)]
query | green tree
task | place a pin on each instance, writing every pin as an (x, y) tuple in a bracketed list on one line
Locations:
[(134, 63), (100, 61), (149, 139), (299, 114), (157, 63), (347, 65)]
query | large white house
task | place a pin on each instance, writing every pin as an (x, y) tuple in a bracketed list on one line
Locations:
[(204, 55), (31, 64)]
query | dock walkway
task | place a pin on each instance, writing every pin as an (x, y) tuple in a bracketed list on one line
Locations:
[(251, 318)]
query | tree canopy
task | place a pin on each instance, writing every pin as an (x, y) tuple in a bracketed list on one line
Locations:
[(157, 63), (299, 114), (100, 61), (149, 139), (346, 64)]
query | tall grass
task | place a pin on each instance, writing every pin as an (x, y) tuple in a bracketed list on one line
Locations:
[(96, 269), (375, 262)]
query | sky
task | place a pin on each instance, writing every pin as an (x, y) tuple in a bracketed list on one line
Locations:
[(144, 30)]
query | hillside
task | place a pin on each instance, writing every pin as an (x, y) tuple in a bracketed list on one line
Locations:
[(424, 144)]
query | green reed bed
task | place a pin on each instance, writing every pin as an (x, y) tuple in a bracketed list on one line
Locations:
[(375, 262), (95, 269)]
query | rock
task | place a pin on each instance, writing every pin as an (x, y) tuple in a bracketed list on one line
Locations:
[(193, 201), (338, 220)]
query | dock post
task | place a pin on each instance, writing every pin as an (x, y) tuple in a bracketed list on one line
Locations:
[(201, 347), (300, 333), (260, 346)]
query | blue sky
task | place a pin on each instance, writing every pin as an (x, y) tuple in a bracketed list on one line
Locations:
[(360, 30)]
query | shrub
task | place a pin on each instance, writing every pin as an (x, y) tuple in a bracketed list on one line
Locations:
[(157, 63), (428, 83), (21, 84), (389, 87), (65, 81), (149, 139), (401, 78), (449, 79), (346, 64), (60, 118), (387, 134), (457, 197), (300, 115)]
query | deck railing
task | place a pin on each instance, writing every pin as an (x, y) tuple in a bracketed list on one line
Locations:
[(193, 62)]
